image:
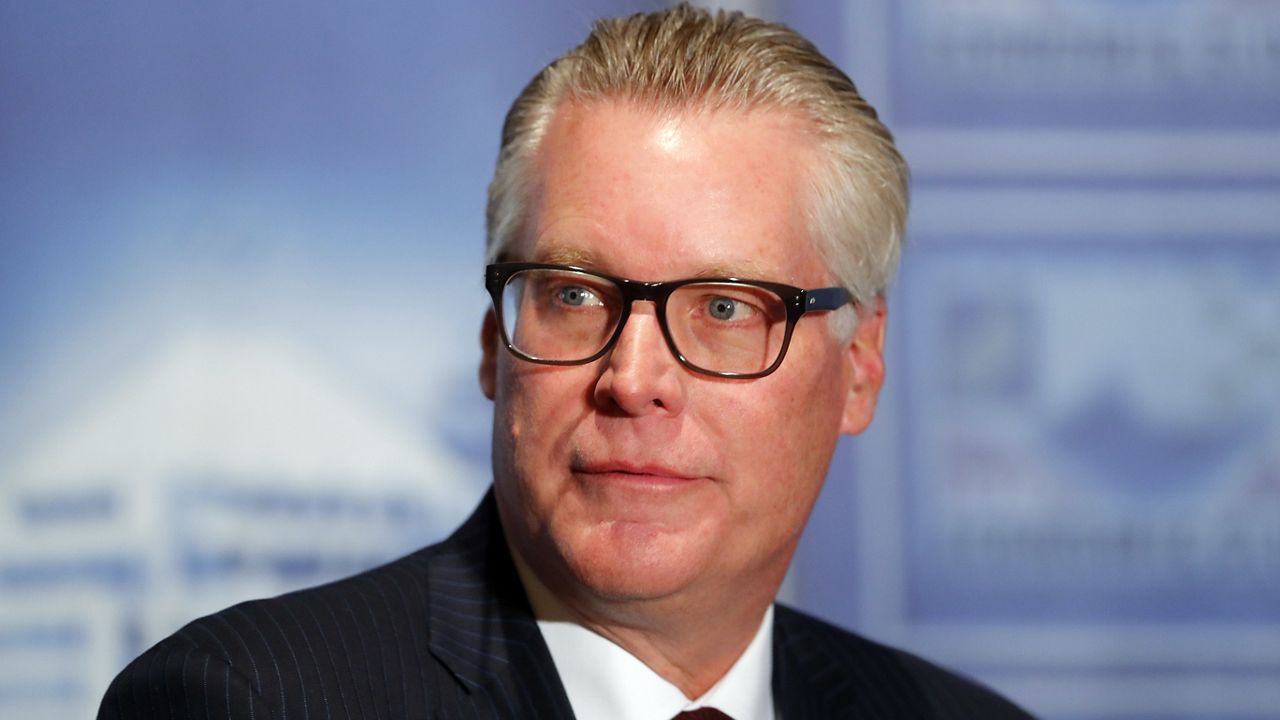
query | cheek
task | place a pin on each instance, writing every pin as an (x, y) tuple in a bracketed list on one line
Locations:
[(535, 411), (523, 468), (783, 438), (528, 395)]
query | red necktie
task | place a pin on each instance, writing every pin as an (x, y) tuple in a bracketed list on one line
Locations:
[(705, 713)]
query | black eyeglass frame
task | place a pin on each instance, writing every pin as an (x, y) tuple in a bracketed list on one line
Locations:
[(797, 301)]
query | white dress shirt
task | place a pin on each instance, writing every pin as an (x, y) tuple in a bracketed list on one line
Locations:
[(605, 682)]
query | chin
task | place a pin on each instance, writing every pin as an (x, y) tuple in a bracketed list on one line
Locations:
[(635, 563)]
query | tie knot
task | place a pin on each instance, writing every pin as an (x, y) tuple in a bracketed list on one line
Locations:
[(704, 713)]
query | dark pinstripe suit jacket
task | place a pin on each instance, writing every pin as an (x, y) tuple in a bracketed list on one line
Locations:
[(447, 633)]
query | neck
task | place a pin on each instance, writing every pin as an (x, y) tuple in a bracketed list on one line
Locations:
[(691, 639)]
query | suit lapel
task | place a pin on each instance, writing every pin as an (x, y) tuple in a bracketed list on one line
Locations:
[(801, 684), (822, 672), (481, 626)]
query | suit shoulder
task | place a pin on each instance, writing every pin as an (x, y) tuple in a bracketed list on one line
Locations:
[(178, 679), (330, 643), (947, 694), (358, 604)]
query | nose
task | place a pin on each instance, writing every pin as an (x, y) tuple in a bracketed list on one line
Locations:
[(641, 376)]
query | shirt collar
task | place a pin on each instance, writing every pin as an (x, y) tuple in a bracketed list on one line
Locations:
[(603, 680)]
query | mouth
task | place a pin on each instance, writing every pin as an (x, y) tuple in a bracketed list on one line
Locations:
[(632, 472)]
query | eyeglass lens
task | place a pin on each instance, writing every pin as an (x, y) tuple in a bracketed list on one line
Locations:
[(564, 315)]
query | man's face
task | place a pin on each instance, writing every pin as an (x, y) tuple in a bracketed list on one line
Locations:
[(631, 477)]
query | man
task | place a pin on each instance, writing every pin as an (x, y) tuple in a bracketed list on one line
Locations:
[(661, 426)]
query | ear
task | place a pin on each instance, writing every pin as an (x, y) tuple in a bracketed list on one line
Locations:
[(489, 342), (866, 360)]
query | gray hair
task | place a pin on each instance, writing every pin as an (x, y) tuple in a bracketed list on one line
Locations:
[(689, 58)]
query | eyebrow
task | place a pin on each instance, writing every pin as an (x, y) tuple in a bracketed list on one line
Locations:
[(562, 255), (579, 257), (745, 268)]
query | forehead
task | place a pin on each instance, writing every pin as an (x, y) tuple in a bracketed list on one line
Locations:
[(655, 195)]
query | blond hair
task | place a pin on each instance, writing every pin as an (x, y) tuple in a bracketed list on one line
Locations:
[(689, 58)]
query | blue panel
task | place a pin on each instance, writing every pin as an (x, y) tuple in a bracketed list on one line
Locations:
[(1086, 64), (1092, 431)]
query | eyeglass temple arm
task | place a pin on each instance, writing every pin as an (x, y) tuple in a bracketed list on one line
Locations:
[(832, 298)]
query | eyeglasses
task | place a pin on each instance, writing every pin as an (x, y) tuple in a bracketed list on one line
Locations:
[(726, 327)]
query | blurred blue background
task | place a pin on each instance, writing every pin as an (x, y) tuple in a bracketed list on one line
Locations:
[(240, 291)]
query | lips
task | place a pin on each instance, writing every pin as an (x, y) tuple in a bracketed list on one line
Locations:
[(629, 470)]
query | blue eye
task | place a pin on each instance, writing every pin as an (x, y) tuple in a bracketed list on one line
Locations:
[(574, 295), (722, 308)]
